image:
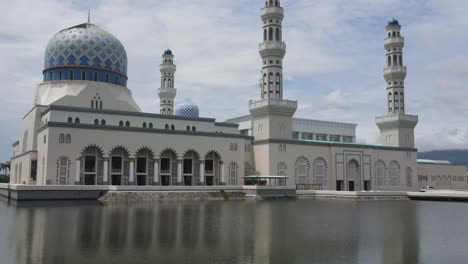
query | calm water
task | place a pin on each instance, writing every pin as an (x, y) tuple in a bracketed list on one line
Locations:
[(235, 232)]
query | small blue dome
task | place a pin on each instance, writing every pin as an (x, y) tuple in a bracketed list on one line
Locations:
[(85, 52), (188, 110), (168, 52), (393, 22)]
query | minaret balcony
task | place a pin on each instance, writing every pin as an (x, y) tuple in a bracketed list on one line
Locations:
[(397, 72), (394, 42), (167, 67), (272, 12), (272, 48)]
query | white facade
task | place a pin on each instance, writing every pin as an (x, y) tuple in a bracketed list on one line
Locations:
[(90, 131)]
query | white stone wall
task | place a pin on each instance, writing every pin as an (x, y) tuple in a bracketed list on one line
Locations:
[(336, 158), (442, 176), (132, 141)]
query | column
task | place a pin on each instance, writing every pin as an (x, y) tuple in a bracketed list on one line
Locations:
[(179, 172), (156, 172), (106, 172), (77, 172), (132, 172), (202, 172), (223, 177)]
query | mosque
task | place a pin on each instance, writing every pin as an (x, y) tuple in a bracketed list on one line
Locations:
[(86, 129)]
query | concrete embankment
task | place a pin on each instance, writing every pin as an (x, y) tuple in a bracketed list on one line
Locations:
[(342, 195), (140, 196)]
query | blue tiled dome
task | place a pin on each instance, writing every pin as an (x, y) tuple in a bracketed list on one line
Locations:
[(187, 110), (168, 52), (89, 52), (393, 22)]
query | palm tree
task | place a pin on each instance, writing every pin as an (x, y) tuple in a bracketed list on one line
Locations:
[(2, 167), (8, 167)]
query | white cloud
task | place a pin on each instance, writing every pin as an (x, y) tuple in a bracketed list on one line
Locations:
[(333, 64)]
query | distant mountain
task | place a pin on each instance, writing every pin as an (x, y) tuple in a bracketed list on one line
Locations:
[(452, 155)]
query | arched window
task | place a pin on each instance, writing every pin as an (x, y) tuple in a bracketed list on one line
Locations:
[(233, 173), (60, 75), (401, 60), (278, 34), (282, 169), (121, 123), (95, 76), (394, 33), (276, 3), (395, 60), (389, 63), (188, 128), (68, 139), (127, 124), (167, 127), (61, 138), (103, 122), (71, 75), (389, 34), (194, 128), (270, 34), (409, 177), (83, 76), (231, 146), (150, 125), (100, 104), (63, 170), (77, 120), (172, 127), (271, 2), (394, 173), (302, 173), (320, 173), (144, 125), (96, 121), (379, 172), (265, 35), (92, 104), (70, 120)]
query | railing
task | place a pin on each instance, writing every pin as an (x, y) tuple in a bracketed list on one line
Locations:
[(315, 187), (272, 45), (271, 101), (394, 40), (394, 69), (411, 118), (271, 10)]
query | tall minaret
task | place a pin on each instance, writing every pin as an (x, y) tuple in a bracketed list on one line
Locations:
[(272, 51), (167, 92), (272, 116), (397, 128)]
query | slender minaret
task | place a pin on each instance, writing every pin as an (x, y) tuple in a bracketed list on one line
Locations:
[(272, 116), (272, 51), (167, 92), (397, 128)]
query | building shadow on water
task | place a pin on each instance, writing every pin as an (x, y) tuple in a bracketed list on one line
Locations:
[(215, 232)]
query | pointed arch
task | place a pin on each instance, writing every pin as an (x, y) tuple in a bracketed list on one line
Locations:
[(302, 167), (282, 169), (92, 168), (353, 175), (63, 171), (394, 173), (144, 166), (67, 138), (168, 167), (213, 162), (320, 172), (119, 165), (379, 174), (270, 34), (61, 138), (233, 173)]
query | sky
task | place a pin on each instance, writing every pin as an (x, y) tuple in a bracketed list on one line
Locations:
[(333, 65)]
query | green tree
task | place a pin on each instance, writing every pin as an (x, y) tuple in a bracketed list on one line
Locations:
[(3, 167), (8, 167)]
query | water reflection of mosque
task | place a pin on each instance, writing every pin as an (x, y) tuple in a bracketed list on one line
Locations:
[(210, 232)]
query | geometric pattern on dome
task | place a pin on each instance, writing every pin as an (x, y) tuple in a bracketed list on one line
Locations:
[(86, 45), (187, 110)]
